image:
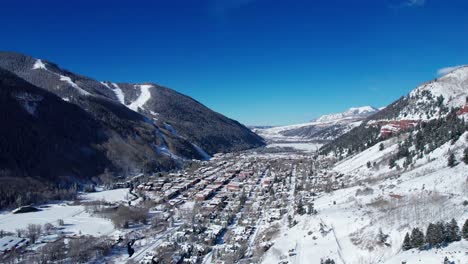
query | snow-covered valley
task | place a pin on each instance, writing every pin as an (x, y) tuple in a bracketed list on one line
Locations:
[(365, 186)]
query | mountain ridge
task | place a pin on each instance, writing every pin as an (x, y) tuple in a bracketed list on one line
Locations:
[(69, 85), (322, 129), (158, 129), (438, 99)]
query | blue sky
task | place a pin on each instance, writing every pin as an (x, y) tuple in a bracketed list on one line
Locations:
[(258, 61)]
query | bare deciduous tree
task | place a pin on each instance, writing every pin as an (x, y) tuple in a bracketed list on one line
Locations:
[(33, 232)]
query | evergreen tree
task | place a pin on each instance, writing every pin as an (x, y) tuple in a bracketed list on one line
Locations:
[(300, 207), (327, 261), (465, 230), (406, 243), (311, 209), (417, 238), (451, 161), (381, 147), (392, 162), (465, 155), (290, 221), (452, 231), (435, 234), (440, 227), (408, 161)]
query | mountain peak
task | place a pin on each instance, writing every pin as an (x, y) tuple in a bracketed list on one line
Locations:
[(361, 110), (454, 69), (351, 113)]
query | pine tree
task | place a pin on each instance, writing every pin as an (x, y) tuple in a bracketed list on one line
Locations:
[(465, 230), (381, 147), (417, 238), (435, 234), (451, 161), (392, 162), (440, 227), (406, 243), (290, 221), (465, 155), (446, 261), (431, 237), (327, 261), (310, 209), (452, 231), (300, 207)]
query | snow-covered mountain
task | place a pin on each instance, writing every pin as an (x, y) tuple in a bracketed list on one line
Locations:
[(322, 129), (132, 127), (430, 101), (352, 113)]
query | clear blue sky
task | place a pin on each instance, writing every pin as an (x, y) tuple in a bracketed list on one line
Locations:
[(257, 61)]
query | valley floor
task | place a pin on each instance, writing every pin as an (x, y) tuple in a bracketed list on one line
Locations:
[(271, 207)]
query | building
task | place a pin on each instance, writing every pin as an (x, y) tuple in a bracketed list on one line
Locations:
[(10, 243)]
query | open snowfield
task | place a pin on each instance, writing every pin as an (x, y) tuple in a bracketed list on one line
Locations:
[(348, 231), (76, 219)]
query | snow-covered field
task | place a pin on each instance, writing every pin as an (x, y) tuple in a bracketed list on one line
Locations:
[(75, 217), (76, 220)]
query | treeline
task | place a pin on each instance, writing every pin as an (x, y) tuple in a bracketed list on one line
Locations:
[(355, 141), (15, 193), (437, 235)]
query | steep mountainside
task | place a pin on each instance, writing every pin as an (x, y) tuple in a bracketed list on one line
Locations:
[(430, 108), (60, 127), (199, 130), (47, 143), (185, 117), (323, 129)]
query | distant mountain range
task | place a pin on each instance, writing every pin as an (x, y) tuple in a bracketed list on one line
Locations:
[(320, 130), (60, 125)]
